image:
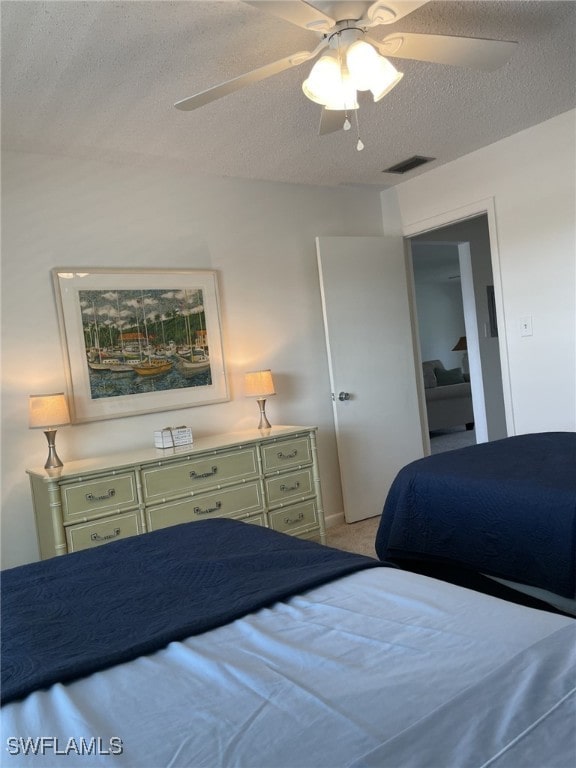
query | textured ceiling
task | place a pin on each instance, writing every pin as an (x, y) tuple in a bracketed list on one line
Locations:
[(99, 79)]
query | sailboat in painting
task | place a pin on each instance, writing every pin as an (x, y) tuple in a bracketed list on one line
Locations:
[(152, 367)]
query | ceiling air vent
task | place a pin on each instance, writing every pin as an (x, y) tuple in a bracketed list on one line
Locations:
[(408, 165)]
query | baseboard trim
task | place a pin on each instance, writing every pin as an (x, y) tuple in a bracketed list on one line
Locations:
[(332, 520)]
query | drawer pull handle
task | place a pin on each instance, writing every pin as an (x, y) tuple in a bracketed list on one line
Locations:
[(292, 520), (288, 488), (198, 475), (108, 495), (208, 510), (291, 455), (107, 537)]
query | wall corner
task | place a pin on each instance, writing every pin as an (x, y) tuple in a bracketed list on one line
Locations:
[(391, 217)]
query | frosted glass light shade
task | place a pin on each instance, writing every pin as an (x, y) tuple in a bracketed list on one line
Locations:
[(48, 411), (387, 77), (370, 71), (361, 59), (259, 384), (344, 97), (328, 85), (320, 82)]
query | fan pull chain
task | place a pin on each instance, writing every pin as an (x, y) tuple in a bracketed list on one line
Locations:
[(347, 124), (360, 143)]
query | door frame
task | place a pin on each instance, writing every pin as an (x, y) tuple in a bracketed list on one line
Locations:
[(444, 219), (471, 328)]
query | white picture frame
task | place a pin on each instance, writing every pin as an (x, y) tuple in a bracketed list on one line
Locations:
[(138, 341)]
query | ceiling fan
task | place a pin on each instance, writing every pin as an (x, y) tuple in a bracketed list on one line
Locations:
[(352, 59)]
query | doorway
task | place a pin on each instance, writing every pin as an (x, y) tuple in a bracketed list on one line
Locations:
[(373, 355), (453, 291)]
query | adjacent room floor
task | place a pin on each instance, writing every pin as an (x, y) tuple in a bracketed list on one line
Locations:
[(449, 439)]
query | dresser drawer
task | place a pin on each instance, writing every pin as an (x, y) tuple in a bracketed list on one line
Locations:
[(97, 532), (284, 454), (236, 501), (290, 486), (93, 498), (167, 481), (296, 518)]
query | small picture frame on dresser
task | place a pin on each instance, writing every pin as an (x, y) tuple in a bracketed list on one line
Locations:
[(139, 340)]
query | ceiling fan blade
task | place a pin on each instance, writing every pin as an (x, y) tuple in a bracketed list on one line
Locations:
[(231, 86), (296, 12), (382, 12), (331, 120), (486, 55)]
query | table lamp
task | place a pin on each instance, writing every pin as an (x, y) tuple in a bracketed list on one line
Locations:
[(259, 384), (462, 346), (48, 412)]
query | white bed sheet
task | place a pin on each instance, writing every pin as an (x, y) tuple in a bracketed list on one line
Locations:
[(325, 679)]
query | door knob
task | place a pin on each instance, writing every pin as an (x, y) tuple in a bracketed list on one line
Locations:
[(344, 396)]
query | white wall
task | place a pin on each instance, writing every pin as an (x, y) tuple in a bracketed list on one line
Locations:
[(260, 238), (531, 177)]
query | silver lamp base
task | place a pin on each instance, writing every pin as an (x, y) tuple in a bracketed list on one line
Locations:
[(53, 461), (264, 423)]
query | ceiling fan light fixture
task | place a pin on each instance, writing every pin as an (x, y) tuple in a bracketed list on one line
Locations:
[(370, 71), (330, 85), (386, 77), (320, 82), (344, 97), (362, 61)]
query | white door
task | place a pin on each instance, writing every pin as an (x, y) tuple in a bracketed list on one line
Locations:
[(371, 359)]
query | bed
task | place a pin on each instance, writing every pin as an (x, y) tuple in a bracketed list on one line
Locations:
[(505, 509), (219, 643)]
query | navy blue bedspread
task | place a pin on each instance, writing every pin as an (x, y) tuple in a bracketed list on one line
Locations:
[(70, 616), (506, 509)]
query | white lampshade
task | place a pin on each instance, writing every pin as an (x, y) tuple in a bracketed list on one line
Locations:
[(259, 384), (386, 78), (344, 97), (48, 411), (324, 73), (329, 85), (370, 71), (361, 59)]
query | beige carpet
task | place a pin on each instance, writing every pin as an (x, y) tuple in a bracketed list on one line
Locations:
[(360, 537), (354, 537)]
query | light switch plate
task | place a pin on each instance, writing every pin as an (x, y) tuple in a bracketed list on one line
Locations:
[(526, 326)]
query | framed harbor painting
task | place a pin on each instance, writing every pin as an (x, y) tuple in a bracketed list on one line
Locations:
[(139, 340)]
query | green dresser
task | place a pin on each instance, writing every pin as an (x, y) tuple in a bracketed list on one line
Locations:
[(265, 477)]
